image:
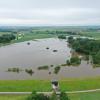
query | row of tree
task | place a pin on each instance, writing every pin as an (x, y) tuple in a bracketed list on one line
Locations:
[(5, 38)]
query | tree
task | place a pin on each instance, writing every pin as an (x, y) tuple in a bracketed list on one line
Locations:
[(5, 38), (70, 39), (68, 62), (35, 96), (64, 96), (54, 97), (75, 60), (96, 58), (62, 37)]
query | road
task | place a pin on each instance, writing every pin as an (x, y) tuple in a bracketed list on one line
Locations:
[(47, 93)]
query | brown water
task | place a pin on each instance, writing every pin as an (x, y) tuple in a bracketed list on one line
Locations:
[(31, 56)]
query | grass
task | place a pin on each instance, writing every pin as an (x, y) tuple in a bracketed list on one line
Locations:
[(27, 37), (13, 97), (32, 36), (95, 34), (80, 84), (45, 85), (85, 96), (77, 96), (24, 85)]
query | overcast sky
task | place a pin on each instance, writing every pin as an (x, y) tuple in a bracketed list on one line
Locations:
[(49, 12)]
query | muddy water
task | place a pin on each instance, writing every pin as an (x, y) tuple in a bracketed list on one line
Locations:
[(24, 56)]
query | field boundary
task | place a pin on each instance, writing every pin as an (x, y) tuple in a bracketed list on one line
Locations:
[(69, 92)]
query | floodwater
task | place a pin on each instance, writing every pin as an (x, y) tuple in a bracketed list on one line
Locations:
[(30, 56)]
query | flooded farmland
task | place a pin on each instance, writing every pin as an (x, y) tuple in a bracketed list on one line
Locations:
[(32, 54)]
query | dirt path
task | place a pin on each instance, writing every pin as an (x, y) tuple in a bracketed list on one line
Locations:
[(69, 92)]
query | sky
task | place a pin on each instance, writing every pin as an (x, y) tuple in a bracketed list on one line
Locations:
[(50, 12)]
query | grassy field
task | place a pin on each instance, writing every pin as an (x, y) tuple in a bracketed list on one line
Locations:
[(27, 37), (85, 96), (78, 96), (45, 85), (32, 36), (13, 97), (95, 35)]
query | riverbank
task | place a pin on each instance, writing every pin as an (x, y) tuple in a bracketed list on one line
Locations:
[(28, 37)]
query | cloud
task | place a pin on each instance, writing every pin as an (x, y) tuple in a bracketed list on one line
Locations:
[(53, 12)]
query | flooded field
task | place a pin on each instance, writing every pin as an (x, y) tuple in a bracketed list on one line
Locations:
[(32, 54)]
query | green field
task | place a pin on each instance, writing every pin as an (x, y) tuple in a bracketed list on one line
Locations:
[(95, 35), (32, 36), (77, 96), (13, 97), (85, 96), (45, 85)]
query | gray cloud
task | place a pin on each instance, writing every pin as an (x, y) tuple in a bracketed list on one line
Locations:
[(50, 12)]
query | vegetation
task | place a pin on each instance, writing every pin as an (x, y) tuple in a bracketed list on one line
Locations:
[(14, 70), (85, 96), (51, 65), (6, 38), (64, 64), (93, 34), (31, 33), (75, 60), (62, 37), (64, 96), (87, 47), (68, 62), (13, 97), (45, 85), (35, 96), (56, 69), (77, 96), (29, 71), (45, 67)]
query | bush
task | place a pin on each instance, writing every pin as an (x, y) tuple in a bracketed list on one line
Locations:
[(56, 69), (29, 71), (35, 96), (75, 60), (68, 62), (64, 96), (14, 70), (45, 67), (62, 37)]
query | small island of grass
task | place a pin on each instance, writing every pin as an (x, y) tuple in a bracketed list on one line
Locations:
[(45, 67)]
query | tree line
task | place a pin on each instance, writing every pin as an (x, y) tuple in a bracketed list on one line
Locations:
[(87, 47), (6, 38)]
